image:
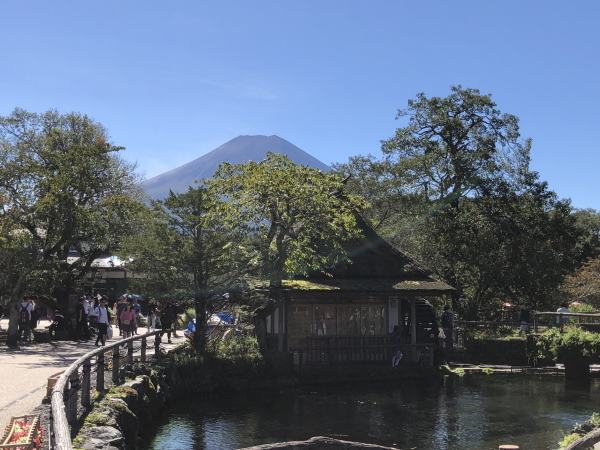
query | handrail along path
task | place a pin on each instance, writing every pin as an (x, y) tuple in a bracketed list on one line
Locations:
[(64, 397)]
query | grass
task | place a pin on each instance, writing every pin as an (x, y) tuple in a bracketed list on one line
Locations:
[(568, 440)]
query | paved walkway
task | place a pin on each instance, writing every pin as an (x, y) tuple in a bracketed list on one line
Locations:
[(24, 371)]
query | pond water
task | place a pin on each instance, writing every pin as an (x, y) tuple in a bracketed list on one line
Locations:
[(470, 412)]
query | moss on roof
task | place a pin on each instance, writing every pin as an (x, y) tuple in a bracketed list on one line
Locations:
[(422, 284)]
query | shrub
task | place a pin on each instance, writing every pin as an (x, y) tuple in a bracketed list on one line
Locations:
[(560, 346)]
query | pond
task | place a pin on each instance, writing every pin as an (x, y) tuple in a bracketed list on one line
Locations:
[(470, 412)]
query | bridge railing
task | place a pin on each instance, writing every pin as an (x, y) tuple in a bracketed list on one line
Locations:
[(74, 386)]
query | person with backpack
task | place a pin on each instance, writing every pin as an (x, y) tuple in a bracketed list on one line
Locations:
[(25, 319), (448, 325)]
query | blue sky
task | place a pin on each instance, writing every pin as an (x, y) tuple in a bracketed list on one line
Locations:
[(174, 80)]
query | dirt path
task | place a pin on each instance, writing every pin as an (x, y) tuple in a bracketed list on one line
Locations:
[(24, 371)]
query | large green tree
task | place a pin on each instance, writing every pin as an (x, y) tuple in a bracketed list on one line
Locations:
[(64, 185), (456, 145), (453, 189), (291, 213), (185, 250), (498, 248)]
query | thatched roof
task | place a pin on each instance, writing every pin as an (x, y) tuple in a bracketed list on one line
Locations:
[(375, 266), (371, 256)]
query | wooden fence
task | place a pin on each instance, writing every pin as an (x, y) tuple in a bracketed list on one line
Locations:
[(319, 350), (75, 387)]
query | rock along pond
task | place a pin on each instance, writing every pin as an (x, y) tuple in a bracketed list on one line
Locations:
[(470, 412)]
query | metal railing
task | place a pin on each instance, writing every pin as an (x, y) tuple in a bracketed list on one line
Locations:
[(65, 395)]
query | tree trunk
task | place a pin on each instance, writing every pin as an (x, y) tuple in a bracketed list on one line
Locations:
[(260, 322), (201, 320)]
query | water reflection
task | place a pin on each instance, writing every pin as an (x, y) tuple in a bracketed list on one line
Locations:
[(460, 413)]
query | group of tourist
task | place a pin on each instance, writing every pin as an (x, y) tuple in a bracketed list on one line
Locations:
[(94, 316)]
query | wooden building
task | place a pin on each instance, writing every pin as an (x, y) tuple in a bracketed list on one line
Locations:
[(349, 316)]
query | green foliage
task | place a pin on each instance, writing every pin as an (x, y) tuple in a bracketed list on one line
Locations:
[(290, 211), (568, 440), (188, 253), (237, 349), (242, 350), (63, 187), (595, 419), (582, 307), (487, 370), (454, 191), (457, 144), (460, 372), (584, 283), (562, 346)]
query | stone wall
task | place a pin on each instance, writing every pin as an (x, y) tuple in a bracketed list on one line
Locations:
[(120, 415)]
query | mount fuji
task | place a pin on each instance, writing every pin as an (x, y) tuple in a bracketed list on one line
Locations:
[(236, 151)]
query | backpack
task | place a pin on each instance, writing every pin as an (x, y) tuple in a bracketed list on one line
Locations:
[(24, 315), (445, 319)]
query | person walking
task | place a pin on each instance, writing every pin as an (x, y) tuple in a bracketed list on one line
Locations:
[(166, 319), (128, 320), (176, 318), (151, 314), (157, 315), (35, 317), (120, 308), (137, 308), (82, 330), (448, 326), (25, 319), (103, 323)]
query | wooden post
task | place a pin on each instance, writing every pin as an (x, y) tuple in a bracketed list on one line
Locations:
[(115, 371), (143, 352), (130, 352), (72, 408), (280, 329), (413, 326), (86, 383), (100, 372), (157, 345)]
